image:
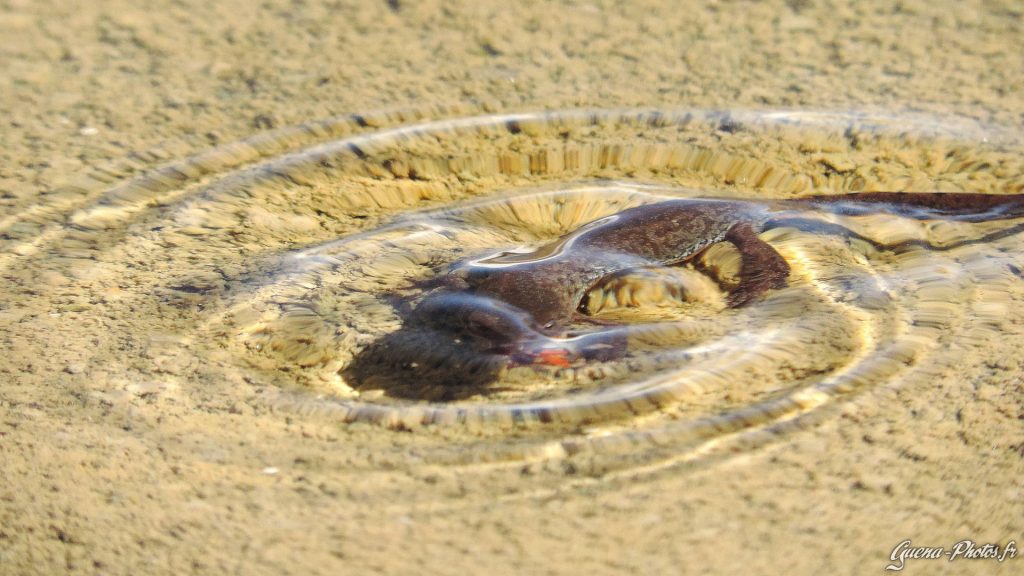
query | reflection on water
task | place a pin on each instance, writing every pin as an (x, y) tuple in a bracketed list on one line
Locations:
[(625, 284)]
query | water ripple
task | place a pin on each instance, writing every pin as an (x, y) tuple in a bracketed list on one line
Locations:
[(313, 267)]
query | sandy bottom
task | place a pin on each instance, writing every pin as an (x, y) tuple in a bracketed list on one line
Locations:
[(172, 341)]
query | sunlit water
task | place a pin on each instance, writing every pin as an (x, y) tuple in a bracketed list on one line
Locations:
[(270, 269)]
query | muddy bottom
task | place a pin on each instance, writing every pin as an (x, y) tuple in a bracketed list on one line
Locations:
[(333, 340)]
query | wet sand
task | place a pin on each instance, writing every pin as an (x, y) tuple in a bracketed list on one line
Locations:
[(122, 452)]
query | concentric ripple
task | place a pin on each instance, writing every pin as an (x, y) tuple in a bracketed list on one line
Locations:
[(290, 265)]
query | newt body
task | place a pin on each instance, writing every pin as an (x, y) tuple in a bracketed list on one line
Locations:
[(520, 308), (550, 282)]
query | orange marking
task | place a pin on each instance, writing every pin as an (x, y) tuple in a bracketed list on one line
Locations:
[(554, 357)]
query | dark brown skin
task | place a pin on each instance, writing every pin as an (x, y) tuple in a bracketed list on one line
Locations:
[(548, 285), (550, 282), (517, 308)]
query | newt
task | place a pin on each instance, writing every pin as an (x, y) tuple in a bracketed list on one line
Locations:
[(518, 308)]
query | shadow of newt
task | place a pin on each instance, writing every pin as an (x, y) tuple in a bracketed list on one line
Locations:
[(483, 315)]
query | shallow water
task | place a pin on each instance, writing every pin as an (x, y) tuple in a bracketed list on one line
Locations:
[(271, 265)]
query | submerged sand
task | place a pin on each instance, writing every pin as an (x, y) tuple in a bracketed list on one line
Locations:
[(123, 450)]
